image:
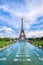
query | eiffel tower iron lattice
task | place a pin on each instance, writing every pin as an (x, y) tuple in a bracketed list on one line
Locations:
[(22, 35)]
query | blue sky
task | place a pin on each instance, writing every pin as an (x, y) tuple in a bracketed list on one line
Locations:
[(11, 12)]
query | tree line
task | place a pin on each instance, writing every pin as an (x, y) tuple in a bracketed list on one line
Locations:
[(35, 39)]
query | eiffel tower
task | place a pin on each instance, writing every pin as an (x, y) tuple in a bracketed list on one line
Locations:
[(22, 35)]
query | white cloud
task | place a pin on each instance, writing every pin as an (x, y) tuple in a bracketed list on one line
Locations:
[(36, 33), (11, 35), (8, 30), (1, 35)]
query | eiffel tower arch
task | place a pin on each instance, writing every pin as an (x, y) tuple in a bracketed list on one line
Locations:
[(22, 35)]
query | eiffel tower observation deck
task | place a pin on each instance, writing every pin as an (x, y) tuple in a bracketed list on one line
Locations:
[(22, 35)]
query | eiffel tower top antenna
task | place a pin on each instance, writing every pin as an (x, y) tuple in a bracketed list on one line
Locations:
[(22, 23)]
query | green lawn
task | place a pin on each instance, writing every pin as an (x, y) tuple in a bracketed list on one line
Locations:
[(4, 43), (40, 43)]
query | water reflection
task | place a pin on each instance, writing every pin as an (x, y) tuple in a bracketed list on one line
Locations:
[(21, 52)]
